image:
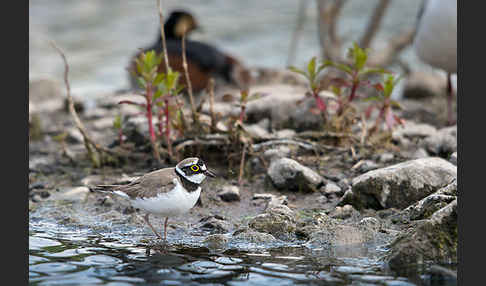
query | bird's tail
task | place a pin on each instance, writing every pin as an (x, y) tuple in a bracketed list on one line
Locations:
[(103, 188)]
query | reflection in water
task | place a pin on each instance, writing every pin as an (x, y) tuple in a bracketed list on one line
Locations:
[(82, 258)]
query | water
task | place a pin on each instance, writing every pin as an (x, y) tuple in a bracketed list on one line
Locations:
[(99, 37), (75, 255)]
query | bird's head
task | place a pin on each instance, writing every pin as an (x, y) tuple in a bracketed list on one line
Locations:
[(194, 170)]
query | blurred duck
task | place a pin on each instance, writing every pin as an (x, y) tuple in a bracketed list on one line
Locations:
[(203, 61), (436, 40)]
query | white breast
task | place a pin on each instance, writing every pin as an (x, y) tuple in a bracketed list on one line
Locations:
[(174, 203)]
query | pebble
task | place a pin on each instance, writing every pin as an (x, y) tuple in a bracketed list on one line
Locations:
[(229, 193)]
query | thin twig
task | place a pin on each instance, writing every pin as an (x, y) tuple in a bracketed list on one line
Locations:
[(188, 81), (297, 31), (162, 33), (242, 165), (328, 14), (211, 104), (88, 141), (374, 24), (86, 138)]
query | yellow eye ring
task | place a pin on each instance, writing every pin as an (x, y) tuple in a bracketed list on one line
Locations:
[(195, 168)]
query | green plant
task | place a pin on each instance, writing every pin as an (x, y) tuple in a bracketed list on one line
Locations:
[(355, 75), (117, 125), (311, 74), (384, 104), (159, 91)]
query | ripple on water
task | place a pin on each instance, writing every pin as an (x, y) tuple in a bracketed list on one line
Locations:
[(37, 243), (51, 267), (100, 259)]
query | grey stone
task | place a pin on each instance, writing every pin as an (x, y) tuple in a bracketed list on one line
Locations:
[(434, 240), (412, 130), (399, 185), (229, 193), (343, 212), (288, 174), (252, 236), (386, 157), (370, 223), (215, 224), (442, 142), (424, 208), (217, 241), (276, 153), (453, 158), (286, 106), (332, 188), (420, 85), (278, 221), (420, 153)]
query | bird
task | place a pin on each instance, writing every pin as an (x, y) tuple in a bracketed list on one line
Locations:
[(203, 60), (166, 192), (435, 41)]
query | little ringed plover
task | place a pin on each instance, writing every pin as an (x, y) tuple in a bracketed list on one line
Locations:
[(165, 192)]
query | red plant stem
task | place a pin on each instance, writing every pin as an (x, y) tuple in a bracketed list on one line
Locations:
[(120, 136), (167, 125), (149, 112), (353, 90), (159, 124), (242, 112)]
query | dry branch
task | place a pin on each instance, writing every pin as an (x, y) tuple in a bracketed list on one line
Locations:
[(297, 32), (164, 43), (89, 143), (328, 15), (374, 24)]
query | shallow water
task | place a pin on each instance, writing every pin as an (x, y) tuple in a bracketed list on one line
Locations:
[(62, 255)]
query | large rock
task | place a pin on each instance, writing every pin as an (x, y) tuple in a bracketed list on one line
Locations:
[(251, 236), (420, 85), (288, 174), (434, 239), (286, 106), (427, 206), (278, 221), (399, 185)]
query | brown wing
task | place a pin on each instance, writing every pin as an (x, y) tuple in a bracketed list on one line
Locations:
[(151, 184)]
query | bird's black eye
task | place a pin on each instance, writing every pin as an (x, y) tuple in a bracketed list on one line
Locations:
[(195, 168)]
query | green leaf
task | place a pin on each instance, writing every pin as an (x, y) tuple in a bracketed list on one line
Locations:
[(299, 71), (244, 96), (158, 79), (395, 103), (345, 68), (141, 82), (372, 98), (157, 94), (367, 71), (360, 56), (117, 123), (311, 69), (389, 84), (336, 90)]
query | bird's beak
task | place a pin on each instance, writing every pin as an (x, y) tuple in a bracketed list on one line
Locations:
[(209, 173)]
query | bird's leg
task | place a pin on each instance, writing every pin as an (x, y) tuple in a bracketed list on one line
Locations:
[(146, 218), (165, 228), (450, 97)]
